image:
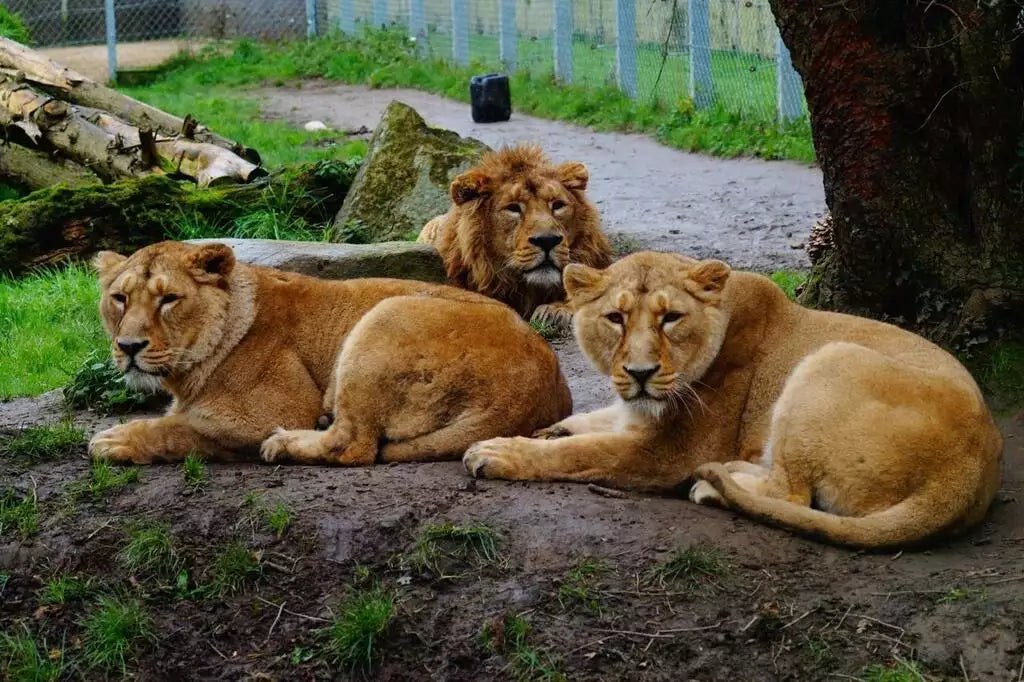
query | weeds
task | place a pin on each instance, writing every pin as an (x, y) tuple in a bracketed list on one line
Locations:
[(19, 514), (790, 281), (234, 568), (695, 570), (899, 670), (63, 589), (99, 385), (23, 660), (508, 637), (279, 519), (103, 480), (550, 332), (194, 471), (150, 550), (353, 639), (578, 587), (113, 633), (441, 547), (45, 442)]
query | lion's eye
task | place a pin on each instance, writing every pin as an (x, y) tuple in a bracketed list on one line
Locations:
[(557, 204), (614, 318), (120, 298), (514, 208), (168, 298), (669, 318)]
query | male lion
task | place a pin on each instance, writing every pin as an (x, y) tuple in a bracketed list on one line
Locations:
[(884, 433), (516, 221), (411, 371)]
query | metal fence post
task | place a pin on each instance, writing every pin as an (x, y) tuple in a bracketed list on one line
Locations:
[(625, 45), (789, 88), (111, 20), (702, 85), (310, 18), (347, 16), (460, 32), (418, 25), (380, 13), (563, 41), (507, 34)]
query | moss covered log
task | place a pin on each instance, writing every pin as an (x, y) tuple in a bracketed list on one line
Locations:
[(60, 223)]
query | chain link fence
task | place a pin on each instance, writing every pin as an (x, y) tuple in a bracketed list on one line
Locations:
[(708, 53)]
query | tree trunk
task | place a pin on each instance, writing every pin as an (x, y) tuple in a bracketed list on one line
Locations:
[(915, 109), (30, 170), (56, 224)]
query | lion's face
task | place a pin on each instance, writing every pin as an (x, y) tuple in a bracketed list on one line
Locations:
[(164, 308), (652, 322), (524, 219)]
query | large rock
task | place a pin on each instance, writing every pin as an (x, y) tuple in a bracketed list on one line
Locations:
[(402, 260), (404, 181)]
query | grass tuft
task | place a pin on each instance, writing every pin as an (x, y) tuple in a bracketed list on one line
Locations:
[(194, 471), (549, 331), (113, 633), (443, 547), (508, 637), (789, 281), (352, 641), (23, 660), (19, 514), (150, 550), (899, 670), (234, 568), (279, 518), (103, 480), (40, 443), (63, 589), (695, 570), (578, 589)]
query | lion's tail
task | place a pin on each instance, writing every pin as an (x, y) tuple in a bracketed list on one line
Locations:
[(923, 515)]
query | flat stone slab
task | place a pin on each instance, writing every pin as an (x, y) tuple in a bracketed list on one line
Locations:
[(400, 260)]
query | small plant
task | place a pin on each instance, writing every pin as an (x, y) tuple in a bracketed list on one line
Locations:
[(696, 569), (549, 331), (63, 589), (352, 641), (19, 514), (508, 637), (279, 519), (150, 550), (899, 670), (789, 281), (45, 442), (443, 546), (99, 385), (578, 586), (956, 594), (113, 633), (103, 480), (22, 659), (624, 244), (234, 567), (194, 471)]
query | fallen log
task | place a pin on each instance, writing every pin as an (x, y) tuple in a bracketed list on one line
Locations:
[(59, 224), (76, 88), (31, 170)]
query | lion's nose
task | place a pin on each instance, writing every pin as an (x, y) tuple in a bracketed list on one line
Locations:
[(546, 242), (131, 346), (642, 374)]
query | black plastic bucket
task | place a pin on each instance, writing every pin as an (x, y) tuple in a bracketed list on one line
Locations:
[(490, 98)]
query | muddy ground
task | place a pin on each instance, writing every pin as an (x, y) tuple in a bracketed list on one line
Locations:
[(786, 608), (752, 213)]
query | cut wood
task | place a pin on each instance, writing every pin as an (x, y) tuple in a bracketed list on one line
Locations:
[(32, 170)]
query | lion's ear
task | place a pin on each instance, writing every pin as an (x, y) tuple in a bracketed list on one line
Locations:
[(709, 275), (212, 262), (471, 185), (574, 175), (578, 279), (105, 261)]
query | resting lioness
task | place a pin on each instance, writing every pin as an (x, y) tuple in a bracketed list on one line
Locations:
[(886, 434), (411, 371)]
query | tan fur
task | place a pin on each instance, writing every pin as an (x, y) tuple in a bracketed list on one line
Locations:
[(486, 246), (252, 356), (884, 433)]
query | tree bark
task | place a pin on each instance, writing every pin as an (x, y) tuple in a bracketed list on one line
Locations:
[(56, 224), (915, 109), (31, 170)]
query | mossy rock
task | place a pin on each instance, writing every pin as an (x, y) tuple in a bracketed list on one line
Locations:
[(404, 181)]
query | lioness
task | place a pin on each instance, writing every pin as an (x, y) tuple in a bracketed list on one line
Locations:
[(884, 433), (516, 221), (411, 371)]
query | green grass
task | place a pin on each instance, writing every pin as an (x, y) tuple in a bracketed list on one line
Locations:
[(789, 281), (352, 642), (578, 589), (150, 551), (48, 325), (113, 633), (98, 385), (385, 59), (549, 331), (698, 569), (12, 26), (63, 589), (40, 443), (443, 548), (234, 568), (509, 638), (103, 480), (8, 192), (279, 518), (193, 469), (23, 660), (1000, 371), (899, 670), (19, 514)]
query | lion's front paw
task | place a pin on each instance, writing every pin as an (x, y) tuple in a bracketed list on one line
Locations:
[(552, 432), (703, 492), (495, 458), (117, 445), (275, 446), (556, 316)]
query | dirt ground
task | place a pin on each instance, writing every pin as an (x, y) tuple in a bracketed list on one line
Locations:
[(91, 60), (754, 214)]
